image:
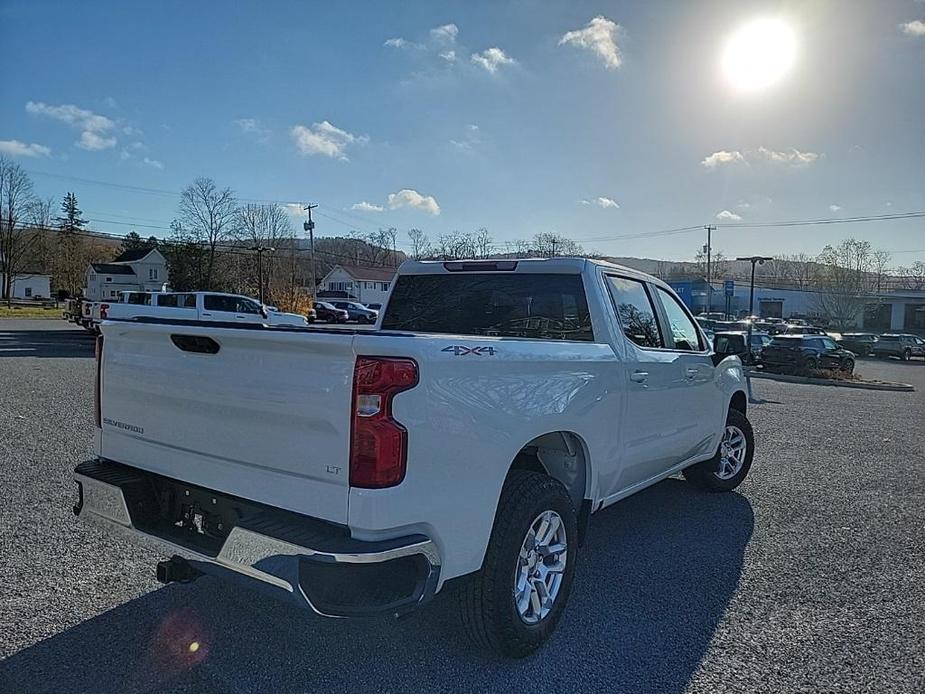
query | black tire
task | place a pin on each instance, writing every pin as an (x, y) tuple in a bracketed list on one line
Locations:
[(486, 598), (907, 355), (848, 366), (704, 475), (811, 364)]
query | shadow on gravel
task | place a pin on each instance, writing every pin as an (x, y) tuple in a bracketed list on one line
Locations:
[(46, 343), (653, 581)]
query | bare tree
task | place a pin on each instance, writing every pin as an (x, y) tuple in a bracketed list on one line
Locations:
[(551, 245), (16, 198), (41, 219), (420, 245), (207, 215), (847, 278), (880, 263), (912, 277), (482, 243), (267, 226)]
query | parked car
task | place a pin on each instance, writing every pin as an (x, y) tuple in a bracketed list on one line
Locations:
[(374, 307), (899, 345), (329, 313), (473, 435), (734, 342), (861, 344), (803, 330), (809, 352), (357, 312), (195, 306)]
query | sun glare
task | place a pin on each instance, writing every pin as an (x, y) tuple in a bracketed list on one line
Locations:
[(759, 54)]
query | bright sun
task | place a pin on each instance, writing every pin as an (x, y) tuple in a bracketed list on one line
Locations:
[(759, 54)]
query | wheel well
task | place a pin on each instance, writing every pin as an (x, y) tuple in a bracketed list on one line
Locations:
[(561, 455), (739, 402)]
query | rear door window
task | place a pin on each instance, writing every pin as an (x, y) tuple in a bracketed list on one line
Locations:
[(540, 306), (636, 312)]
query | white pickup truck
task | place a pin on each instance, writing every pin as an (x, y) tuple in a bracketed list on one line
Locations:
[(201, 306), (472, 435)]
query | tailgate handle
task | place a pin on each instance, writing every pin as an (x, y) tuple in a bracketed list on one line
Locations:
[(195, 343)]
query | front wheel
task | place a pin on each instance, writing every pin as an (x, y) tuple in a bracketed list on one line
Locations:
[(726, 470), (848, 366), (514, 603), (907, 355)]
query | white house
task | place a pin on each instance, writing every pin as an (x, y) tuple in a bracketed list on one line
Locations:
[(137, 270), (368, 285), (29, 286)]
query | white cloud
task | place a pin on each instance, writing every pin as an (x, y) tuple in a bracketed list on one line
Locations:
[(367, 207), (94, 142), (472, 138), (913, 28), (96, 130), (728, 216), (137, 145), (251, 126), (153, 163), (600, 36), (492, 59), (445, 33), (723, 157), (793, 156), (397, 42), (295, 209), (834, 208), (16, 148), (411, 198), (602, 201), (743, 205), (449, 56), (325, 139)]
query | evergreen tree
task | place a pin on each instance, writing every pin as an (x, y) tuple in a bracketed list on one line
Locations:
[(71, 260), (72, 218)]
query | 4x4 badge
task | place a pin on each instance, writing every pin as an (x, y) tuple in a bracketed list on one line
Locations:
[(462, 350)]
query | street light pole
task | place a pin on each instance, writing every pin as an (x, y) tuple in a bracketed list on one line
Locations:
[(260, 250), (754, 260)]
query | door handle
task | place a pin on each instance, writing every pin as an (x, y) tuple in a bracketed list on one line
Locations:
[(639, 376), (691, 373)]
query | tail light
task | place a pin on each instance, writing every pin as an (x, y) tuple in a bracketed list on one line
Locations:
[(97, 404), (378, 443), (104, 311)]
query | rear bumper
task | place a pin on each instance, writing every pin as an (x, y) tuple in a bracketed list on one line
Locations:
[(305, 560)]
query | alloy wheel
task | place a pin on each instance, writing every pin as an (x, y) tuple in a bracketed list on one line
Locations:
[(540, 567), (732, 450)]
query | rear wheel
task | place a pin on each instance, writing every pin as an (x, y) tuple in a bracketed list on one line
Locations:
[(811, 364), (514, 603), (726, 470)]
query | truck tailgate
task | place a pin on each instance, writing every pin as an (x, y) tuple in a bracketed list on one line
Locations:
[(266, 417)]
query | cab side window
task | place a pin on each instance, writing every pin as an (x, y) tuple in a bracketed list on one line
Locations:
[(681, 329), (635, 310)]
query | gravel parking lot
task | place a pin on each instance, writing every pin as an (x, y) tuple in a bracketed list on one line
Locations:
[(810, 578)]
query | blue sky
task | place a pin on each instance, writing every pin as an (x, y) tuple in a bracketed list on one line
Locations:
[(523, 116)]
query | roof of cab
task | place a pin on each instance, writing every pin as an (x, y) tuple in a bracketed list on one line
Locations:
[(559, 265)]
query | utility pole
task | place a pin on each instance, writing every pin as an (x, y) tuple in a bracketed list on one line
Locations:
[(709, 249), (309, 226), (260, 251)]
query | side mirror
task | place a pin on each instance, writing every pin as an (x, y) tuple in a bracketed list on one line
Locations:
[(726, 347)]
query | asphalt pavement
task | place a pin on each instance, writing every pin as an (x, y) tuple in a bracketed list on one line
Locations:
[(809, 578)]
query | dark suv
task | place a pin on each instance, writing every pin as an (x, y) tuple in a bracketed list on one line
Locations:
[(861, 344), (808, 352), (903, 346)]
